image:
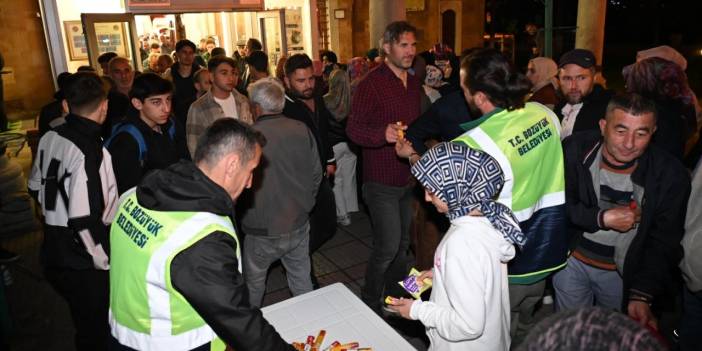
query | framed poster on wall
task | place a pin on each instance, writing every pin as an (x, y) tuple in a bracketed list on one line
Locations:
[(112, 36), (77, 47)]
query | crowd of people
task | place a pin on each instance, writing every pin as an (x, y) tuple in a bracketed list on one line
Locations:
[(548, 182)]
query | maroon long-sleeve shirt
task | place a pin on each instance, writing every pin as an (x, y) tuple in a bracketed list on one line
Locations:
[(381, 99)]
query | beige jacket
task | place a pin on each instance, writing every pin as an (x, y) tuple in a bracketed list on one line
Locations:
[(205, 110)]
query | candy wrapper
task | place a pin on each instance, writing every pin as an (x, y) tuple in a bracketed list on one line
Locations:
[(400, 132), (412, 287)]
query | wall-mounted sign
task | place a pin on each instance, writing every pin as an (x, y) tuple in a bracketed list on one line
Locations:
[(180, 6), (414, 5), (148, 3), (77, 48)]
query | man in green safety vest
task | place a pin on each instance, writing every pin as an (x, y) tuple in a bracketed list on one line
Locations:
[(175, 275), (525, 140)]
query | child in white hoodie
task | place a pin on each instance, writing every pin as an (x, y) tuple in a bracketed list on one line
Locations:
[(469, 304)]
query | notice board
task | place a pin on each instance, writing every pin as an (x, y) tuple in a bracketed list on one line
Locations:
[(180, 6)]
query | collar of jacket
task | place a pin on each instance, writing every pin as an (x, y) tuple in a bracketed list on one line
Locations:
[(269, 116), (593, 145), (84, 126), (176, 73), (143, 127)]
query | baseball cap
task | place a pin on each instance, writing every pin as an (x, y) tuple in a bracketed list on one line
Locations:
[(581, 57)]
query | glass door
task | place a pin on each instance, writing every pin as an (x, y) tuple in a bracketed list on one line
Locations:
[(111, 32), (272, 29)]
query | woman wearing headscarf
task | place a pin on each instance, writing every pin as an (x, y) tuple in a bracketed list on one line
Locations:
[(338, 102), (665, 83), (542, 72), (469, 304), (433, 80), (358, 68)]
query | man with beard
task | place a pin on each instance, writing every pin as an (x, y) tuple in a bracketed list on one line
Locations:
[(385, 102), (524, 139), (301, 104), (584, 102), (221, 101)]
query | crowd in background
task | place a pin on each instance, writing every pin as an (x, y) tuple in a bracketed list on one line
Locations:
[(547, 185)]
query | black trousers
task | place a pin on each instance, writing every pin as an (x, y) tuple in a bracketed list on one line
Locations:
[(88, 296)]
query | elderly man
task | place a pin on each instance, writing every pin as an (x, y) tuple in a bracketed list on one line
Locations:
[(626, 204), (172, 236), (277, 225), (122, 75)]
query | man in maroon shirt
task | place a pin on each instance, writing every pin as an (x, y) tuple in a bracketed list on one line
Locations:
[(385, 102)]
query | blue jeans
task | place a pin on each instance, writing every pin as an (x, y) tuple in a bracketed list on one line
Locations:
[(691, 324), (580, 285), (292, 249), (391, 215)]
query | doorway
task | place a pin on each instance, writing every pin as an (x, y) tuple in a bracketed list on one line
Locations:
[(111, 32)]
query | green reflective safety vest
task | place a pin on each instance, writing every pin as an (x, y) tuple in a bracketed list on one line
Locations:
[(146, 312), (526, 143)]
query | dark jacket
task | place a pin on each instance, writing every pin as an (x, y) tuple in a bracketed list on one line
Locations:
[(161, 152), (285, 185), (650, 264), (594, 108), (442, 121), (317, 122), (672, 126), (184, 94), (210, 262), (118, 106)]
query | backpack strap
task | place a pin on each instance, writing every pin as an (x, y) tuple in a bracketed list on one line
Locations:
[(136, 135), (172, 128)]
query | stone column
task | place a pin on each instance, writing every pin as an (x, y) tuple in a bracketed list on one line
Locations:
[(591, 26), (382, 13)]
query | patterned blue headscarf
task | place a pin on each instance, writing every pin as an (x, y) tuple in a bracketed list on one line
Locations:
[(467, 179)]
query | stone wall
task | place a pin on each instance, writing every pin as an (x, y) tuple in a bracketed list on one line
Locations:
[(29, 85), (428, 23)]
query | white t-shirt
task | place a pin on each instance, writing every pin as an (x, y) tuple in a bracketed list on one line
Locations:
[(570, 113), (229, 106), (469, 305)]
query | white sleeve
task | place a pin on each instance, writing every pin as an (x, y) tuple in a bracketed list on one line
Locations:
[(464, 317)]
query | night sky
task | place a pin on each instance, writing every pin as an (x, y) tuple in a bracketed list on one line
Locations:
[(630, 26)]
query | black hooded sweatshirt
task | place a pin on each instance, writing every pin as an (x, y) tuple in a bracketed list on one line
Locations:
[(206, 273)]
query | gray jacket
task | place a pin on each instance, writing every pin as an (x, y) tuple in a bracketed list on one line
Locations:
[(285, 184), (691, 264)]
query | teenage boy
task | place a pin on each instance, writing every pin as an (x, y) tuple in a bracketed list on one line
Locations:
[(222, 100), (73, 182), (145, 141)]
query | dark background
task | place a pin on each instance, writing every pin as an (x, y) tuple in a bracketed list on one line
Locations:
[(630, 26)]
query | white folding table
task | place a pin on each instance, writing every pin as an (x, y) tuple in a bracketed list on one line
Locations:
[(337, 310)]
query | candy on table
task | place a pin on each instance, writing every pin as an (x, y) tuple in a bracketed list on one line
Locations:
[(315, 344), (400, 132)]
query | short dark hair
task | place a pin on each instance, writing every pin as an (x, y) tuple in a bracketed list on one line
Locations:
[(215, 61), (149, 84), (631, 103), (85, 68), (395, 29), (489, 72), (84, 91), (106, 57), (218, 51), (258, 60), (183, 43), (295, 62), (254, 44), (155, 45), (331, 56), (224, 136)]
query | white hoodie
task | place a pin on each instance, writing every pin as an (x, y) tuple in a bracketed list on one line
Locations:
[(469, 304)]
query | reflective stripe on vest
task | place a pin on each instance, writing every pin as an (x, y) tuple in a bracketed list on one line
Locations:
[(526, 144), (150, 314)]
